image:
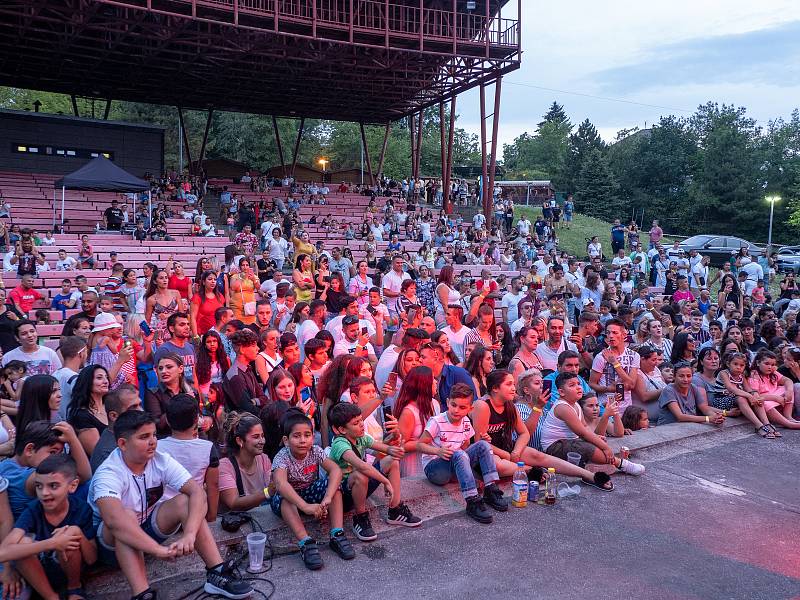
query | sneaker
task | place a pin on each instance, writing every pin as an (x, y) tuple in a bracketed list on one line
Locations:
[(342, 546), (477, 510), (402, 515), (226, 582), (493, 496), (631, 468), (363, 528), (312, 559)]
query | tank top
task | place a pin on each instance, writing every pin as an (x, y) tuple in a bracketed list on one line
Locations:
[(555, 429), (497, 428)]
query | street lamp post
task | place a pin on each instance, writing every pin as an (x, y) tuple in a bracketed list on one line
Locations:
[(323, 162), (772, 200)]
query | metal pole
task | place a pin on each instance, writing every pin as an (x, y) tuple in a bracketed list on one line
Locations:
[(150, 208), (769, 237), (495, 126), (442, 148), (54, 210), (366, 154), (362, 162), (185, 139), (484, 166), (449, 171), (278, 144), (383, 149), (180, 147), (205, 139), (297, 144), (412, 127), (419, 139), (63, 194)]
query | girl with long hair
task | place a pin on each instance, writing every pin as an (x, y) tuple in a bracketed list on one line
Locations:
[(87, 414), (414, 406), (303, 278), (269, 357), (526, 357), (329, 390), (171, 382), (242, 292), (683, 348), (160, 303), (440, 337), (479, 364), (40, 400), (245, 473), (773, 390), (204, 304)]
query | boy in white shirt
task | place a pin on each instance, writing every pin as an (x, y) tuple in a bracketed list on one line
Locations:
[(447, 452), (64, 262), (124, 495)]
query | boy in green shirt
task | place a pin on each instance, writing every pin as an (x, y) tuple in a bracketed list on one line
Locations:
[(359, 478)]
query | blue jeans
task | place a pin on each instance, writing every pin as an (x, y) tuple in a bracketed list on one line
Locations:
[(440, 471)]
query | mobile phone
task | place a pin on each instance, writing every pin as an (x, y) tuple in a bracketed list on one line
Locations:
[(412, 313), (364, 331), (145, 328), (620, 389), (392, 379), (387, 411)]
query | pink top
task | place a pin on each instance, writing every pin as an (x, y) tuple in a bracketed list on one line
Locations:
[(768, 385)]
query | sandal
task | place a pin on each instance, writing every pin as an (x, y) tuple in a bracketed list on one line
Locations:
[(775, 432), (766, 432), (602, 481)]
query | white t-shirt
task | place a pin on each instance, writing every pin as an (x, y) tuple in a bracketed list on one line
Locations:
[(542, 268), (194, 455), (386, 363), (68, 264), (524, 227), (456, 339), (608, 375), (113, 479), (511, 302), (344, 346), (445, 434), (42, 361), (754, 272), (698, 272), (335, 327), (278, 249), (64, 374), (268, 287), (392, 282), (549, 357), (625, 261), (478, 221), (307, 330)]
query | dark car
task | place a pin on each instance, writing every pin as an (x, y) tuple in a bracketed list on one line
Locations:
[(787, 259), (719, 247)]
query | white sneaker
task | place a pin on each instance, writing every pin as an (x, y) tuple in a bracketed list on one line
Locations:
[(631, 468)]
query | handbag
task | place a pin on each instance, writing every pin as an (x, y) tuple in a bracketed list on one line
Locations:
[(249, 308)]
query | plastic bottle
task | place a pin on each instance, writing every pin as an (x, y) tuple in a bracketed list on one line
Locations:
[(519, 495), (550, 489)]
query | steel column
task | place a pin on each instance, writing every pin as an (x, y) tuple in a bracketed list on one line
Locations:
[(412, 127), (108, 109), (484, 203), (278, 144), (185, 139), (487, 25), (383, 148), (448, 207), (419, 139), (74, 105), (297, 145), (495, 125), (366, 154), (442, 149), (205, 139)]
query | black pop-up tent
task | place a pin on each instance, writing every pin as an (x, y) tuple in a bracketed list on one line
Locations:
[(101, 175)]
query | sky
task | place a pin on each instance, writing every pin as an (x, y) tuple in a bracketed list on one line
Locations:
[(623, 63)]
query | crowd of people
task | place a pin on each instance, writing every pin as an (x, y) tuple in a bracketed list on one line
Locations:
[(296, 377)]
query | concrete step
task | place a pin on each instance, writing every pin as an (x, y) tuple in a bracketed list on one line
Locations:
[(425, 500)]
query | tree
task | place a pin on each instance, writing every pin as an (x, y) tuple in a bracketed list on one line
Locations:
[(581, 144), (543, 153), (596, 191)]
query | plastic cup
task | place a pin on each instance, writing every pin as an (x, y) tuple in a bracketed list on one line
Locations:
[(574, 458), (565, 490), (255, 549)]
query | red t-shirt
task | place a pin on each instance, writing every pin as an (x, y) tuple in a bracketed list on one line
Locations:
[(205, 312), (492, 288), (23, 298), (182, 286)]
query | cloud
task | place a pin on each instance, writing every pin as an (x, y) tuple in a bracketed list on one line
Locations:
[(768, 56)]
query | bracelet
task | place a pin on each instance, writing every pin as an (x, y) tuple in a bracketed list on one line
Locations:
[(537, 409), (707, 419), (616, 365), (724, 413), (266, 493)]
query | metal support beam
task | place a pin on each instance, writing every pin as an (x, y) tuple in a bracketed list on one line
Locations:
[(185, 139), (74, 105), (412, 122), (278, 144), (484, 204), (366, 154), (489, 157), (419, 140), (297, 145), (450, 138), (107, 110), (205, 139), (442, 149), (383, 149)]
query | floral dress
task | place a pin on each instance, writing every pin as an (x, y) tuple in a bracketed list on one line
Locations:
[(426, 293)]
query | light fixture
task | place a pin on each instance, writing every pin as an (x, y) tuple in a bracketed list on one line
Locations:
[(471, 5)]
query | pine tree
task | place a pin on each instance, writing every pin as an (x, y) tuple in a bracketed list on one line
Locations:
[(596, 191), (581, 144)]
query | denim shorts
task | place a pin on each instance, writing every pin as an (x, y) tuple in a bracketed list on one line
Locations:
[(347, 494), (108, 554), (313, 494)]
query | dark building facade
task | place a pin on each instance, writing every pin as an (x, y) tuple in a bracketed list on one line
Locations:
[(46, 143)]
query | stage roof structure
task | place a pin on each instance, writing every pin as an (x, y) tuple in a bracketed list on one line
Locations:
[(369, 61)]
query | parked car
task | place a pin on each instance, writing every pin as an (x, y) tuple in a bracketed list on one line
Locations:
[(787, 259), (719, 247)]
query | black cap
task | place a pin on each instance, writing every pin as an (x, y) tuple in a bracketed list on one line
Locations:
[(349, 320), (418, 333)]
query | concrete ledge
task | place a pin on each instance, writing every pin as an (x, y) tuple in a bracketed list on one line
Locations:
[(426, 500)]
